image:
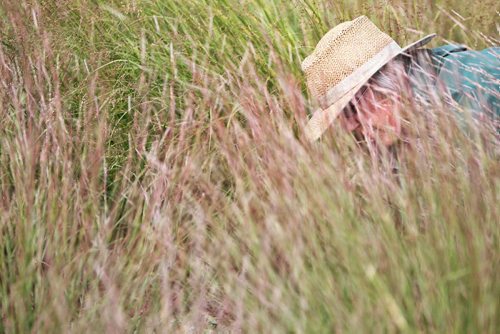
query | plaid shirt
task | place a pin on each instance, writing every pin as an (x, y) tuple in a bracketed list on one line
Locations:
[(472, 78)]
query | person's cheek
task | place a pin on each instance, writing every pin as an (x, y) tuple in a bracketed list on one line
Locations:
[(378, 123), (391, 127), (349, 123), (392, 119), (384, 118)]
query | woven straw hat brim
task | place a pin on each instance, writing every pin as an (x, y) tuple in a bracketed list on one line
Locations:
[(323, 118), (419, 43)]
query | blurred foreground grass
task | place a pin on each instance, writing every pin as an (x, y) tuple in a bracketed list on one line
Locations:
[(154, 177)]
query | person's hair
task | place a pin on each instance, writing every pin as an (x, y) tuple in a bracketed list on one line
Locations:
[(390, 79)]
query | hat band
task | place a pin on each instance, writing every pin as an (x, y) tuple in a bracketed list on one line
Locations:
[(364, 72)]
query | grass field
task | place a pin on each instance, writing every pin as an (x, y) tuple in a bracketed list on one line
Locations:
[(154, 176)]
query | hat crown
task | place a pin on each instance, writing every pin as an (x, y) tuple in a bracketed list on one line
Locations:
[(340, 52)]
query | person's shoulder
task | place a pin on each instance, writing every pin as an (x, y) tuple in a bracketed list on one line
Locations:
[(448, 49), (471, 76), (462, 52), (463, 59)]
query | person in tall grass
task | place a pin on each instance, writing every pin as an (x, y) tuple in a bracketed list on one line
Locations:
[(363, 78)]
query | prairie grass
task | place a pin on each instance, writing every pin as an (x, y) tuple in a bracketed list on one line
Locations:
[(154, 176)]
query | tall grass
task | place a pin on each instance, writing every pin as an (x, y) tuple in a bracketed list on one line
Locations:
[(154, 177)]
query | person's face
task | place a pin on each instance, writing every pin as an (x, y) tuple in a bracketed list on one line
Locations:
[(374, 117)]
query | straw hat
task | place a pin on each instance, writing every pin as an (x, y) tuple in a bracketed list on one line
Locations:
[(342, 62)]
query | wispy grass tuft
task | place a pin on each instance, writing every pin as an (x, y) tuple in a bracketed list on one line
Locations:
[(154, 177)]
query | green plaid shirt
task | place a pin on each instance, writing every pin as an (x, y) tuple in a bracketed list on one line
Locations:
[(471, 77)]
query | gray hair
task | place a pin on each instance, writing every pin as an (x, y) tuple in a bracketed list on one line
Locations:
[(389, 79)]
